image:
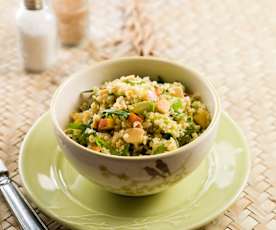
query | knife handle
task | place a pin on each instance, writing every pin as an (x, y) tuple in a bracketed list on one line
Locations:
[(25, 214)]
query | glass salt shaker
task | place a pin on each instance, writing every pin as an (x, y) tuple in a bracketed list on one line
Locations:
[(37, 35)]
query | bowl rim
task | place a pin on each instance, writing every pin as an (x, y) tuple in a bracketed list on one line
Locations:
[(198, 140)]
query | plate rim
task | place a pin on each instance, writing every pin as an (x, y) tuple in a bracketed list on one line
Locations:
[(201, 223)]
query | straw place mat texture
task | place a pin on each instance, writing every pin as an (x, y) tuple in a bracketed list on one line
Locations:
[(231, 42)]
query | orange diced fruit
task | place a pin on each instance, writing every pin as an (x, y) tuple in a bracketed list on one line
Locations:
[(96, 148), (94, 124), (106, 124), (133, 117)]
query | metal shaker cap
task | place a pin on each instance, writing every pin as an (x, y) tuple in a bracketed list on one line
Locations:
[(33, 4)]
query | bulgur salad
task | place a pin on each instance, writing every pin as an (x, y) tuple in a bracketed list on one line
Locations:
[(133, 116)]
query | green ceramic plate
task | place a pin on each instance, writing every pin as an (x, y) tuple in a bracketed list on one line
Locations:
[(62, 193)]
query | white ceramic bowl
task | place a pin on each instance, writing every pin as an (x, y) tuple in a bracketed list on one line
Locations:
[(137, 175)]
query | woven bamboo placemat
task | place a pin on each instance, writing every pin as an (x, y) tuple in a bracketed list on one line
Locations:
[(232, 42)]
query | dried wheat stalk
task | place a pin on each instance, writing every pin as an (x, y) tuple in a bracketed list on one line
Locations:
[(139, 29)]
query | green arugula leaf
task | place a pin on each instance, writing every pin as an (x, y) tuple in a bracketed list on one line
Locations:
[(74, 125)]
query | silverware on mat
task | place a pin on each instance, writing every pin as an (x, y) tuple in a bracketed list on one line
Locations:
[(25, 214)]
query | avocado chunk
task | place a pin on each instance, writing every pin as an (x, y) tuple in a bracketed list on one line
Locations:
[(144, 106)]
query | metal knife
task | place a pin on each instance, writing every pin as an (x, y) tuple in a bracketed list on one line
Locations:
[(25, 214)]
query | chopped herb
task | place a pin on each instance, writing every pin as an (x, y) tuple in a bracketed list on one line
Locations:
[(160, 80), (120, 113), (191, 129), (184, 139), (167, 136), (83, 138), (125, 151), (79, 132), (188, 133), (178, 116), (102, 143), (160, 149), (189, 120), (84, 106)]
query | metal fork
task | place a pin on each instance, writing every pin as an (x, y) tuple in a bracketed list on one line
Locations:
[(25, 214)]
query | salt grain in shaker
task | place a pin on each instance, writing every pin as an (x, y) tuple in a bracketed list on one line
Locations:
[(37, 34)]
